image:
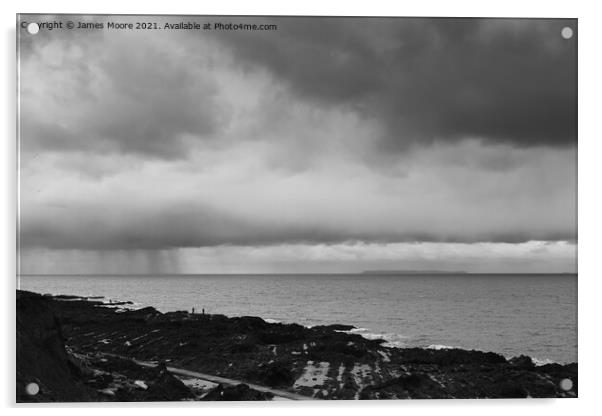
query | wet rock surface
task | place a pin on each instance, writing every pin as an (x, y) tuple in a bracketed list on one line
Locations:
[(91, 346)]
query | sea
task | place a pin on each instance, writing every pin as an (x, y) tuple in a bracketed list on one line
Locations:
[(530, 314)]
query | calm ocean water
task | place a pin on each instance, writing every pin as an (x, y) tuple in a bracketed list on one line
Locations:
[(510, 314)]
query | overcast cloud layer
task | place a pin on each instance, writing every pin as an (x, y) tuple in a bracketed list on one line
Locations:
[(371, 134)]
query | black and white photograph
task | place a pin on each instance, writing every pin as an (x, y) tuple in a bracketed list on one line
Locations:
[(284, 208)]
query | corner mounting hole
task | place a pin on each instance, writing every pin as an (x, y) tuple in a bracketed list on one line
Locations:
[(566, 384), (567, 32), (33, 28), (32, 389)]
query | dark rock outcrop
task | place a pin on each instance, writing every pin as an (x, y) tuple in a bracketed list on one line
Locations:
[(321, 362), (240, 392), (521, 362), (41, 355), (450, 356), (43, 359), (276, 374), (166, 387), (334, 327)]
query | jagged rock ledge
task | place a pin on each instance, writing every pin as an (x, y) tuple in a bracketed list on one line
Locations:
[(78, 349)]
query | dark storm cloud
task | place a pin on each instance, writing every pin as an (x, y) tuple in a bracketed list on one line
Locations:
[(505, 80), (121, 93), (235, 201), (419, 80), (135, 140), (202, 227)]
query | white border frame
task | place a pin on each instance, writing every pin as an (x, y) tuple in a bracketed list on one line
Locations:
[(590, 207)]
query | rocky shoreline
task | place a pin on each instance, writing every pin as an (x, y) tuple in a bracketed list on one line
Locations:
[(77, 349)]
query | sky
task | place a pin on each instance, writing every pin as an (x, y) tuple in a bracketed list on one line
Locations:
[(326, 145)]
